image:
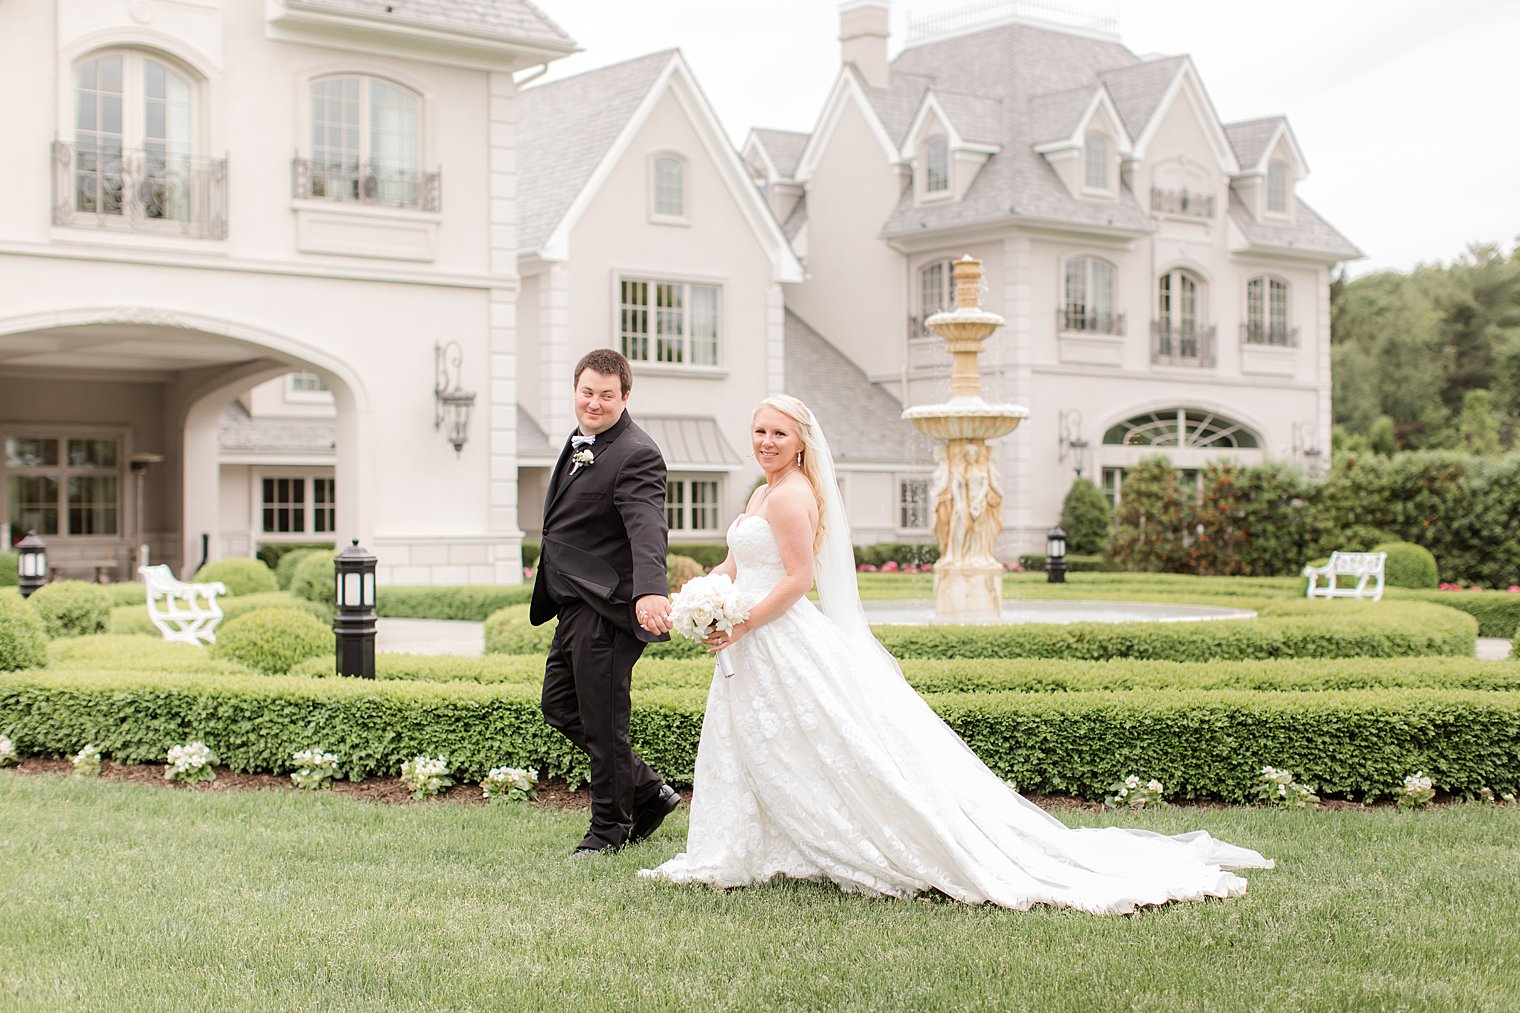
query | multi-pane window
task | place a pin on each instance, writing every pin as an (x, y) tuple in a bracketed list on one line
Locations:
[(669, 186), (1277, 188), (936, 292), (691, 504), (913, 503), (63, 485), (1267, 311), (1182, 427), (668, 322), (1177, 302), (1113, 478), (132, 137), (298, 505), (306, 383), (1095, 162), (937, 166), (1089, 297), (365, 141)]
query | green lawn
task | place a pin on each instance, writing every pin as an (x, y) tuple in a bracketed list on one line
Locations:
[(121, 896)]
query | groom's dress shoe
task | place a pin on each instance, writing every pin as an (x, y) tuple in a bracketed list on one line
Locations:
[(591, 852), (649, 817)]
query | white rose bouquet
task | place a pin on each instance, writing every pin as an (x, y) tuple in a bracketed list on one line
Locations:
[(705, 604)]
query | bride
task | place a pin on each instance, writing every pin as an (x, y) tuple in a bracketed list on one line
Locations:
[(818, 760)]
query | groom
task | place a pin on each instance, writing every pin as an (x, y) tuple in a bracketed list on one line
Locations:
[(602, 571)]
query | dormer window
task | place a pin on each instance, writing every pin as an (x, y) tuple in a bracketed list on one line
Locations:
[(937, 166), (1277, 188), (668, 182), (1095, 162)]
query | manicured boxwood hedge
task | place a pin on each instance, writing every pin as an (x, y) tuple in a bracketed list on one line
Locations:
[(1289, 629), (1020, 675), (468, 602), (1200, 743), (1497, 612)]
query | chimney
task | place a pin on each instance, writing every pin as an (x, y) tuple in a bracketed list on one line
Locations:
[(864, 26)]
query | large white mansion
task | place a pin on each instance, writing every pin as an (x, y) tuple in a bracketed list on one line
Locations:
[(254, 246)]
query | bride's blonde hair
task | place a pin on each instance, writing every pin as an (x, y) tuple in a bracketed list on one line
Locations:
[(806, 423)]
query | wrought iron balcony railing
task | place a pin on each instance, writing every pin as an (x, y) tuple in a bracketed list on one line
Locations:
[(372, 183), (1070, 318), (1182, 344), (151, 190), (1182, 202), (1260, 333)]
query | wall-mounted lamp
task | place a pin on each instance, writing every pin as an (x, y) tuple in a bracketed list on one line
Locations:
[(1070, 443), (451, 402)]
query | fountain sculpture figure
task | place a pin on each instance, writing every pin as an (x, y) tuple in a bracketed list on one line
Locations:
[(967, 495)]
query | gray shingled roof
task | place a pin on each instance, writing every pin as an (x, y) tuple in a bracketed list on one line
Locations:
[(686, 441), (1015, 63), (783, 147), (1249, 138), (977, 119), (1137, 90), (240, 431), (1308, 232), (1054, 117), (532, 441), (863, 422), (515, 20), (565, 129), (895, 105), (796, 219)]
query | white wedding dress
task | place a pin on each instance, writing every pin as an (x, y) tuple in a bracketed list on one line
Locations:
[(818, 761)]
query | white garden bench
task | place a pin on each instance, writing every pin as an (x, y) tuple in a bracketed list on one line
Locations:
[(1365, 567), (184, 613)]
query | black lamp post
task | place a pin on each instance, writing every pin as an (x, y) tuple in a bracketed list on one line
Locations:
[(1055, 556), (31, 564), (354, 622)]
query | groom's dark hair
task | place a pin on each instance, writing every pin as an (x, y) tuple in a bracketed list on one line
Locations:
[(608, 362)]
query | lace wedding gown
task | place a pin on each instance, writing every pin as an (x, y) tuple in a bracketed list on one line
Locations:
[(818, 761)]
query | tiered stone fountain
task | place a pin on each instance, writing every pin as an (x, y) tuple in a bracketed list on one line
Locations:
[(968, 498)]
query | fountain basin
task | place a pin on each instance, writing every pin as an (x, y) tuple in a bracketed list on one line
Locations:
[(915, 612), (966, 419)]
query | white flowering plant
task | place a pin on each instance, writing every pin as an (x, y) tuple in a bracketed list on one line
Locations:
[(315, 770), (425, 775), (86, 762), (190, 763), (1487, 794), (1416, 791), (8, 753), (509, 784), (706, 604), (1277, 787), (1132, 793)]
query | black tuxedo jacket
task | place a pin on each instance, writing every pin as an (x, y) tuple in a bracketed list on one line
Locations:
[(604, 535)]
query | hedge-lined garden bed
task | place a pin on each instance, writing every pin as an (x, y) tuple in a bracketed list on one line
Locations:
[(1287, 629), (1200, 743)]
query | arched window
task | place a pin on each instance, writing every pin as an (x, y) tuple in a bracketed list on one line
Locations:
[(366, 143), (937, 166), (669, 187), (1267, 312), (1095, 162), (133, 138), (1277, 188), (1182, 427), (936, 292), (1179, 336), (1088, 297)]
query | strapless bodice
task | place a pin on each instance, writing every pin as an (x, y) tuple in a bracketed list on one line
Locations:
[(756, 556)]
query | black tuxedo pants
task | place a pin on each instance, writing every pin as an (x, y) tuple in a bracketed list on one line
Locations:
[(586, 695)]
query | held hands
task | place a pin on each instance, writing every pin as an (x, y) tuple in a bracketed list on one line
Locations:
[(653, 612)]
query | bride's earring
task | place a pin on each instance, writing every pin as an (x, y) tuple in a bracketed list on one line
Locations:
[(799, 458)]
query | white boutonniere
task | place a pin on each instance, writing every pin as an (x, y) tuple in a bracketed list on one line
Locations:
[(582, 459)]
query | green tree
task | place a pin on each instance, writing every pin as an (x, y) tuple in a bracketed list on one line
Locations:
[(1477, 429), (1152, 521), (1383, 436), (1086, 518)]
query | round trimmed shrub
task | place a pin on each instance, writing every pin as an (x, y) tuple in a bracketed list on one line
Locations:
[(72, 608), (272, 641), (1086, 518), (680, 569), (1409, 565), (23, 640), (285, 570), (313, 577), (8, 574), (242, 576)]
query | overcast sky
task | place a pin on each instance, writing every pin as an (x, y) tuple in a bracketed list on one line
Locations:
[(1406, 109)]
